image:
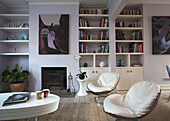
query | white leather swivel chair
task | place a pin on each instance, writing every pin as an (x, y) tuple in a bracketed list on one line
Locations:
[(139, 101), (106, 83)]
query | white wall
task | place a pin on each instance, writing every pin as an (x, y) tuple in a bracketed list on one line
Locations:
[(37, 61), (154, 65)]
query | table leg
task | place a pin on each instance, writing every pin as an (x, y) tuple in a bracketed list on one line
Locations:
[(35, 118)]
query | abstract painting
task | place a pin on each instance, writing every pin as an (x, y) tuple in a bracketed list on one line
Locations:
[(161, 35), (54, 34)]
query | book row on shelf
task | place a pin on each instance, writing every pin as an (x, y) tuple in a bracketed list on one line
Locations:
[(133, 48), (122, 24), (85, 36), (84, 23), (93, 11), (103, 35), (104, 48), (130, 12), (83, 48), (135, 35), (104, 22)]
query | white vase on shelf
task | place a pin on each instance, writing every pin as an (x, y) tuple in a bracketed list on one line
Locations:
[(102, 64)]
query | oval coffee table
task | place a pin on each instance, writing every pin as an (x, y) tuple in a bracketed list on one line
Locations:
[(31, 108)]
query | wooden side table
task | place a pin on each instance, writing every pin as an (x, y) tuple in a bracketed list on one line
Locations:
[(82, 90)]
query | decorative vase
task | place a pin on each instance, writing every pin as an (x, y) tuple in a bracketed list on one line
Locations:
[(17, 87), (101, 64), (81, 76)]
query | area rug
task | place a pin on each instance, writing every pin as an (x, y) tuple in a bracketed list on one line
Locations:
[(66, 112)]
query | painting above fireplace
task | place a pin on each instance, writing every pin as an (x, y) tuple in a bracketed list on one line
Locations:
[(54, 34)]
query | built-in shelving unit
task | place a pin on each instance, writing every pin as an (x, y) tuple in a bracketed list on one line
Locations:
[(14, 40), (94, 28), (129, 39), (130, 17), (14, 53), (12, 26), (93, 38), (94, 41), (129, 46)]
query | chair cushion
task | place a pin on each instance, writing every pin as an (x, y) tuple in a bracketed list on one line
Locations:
[(108, 79), (97, 89), (138, 101), (141, 96), (114, 104), (106, 83)]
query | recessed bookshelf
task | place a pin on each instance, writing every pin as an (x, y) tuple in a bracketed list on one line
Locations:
[(94, 37), (129, 46)]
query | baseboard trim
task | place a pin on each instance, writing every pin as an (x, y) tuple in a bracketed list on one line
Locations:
[(164, 86)]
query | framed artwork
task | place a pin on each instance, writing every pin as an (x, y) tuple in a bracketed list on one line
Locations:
[(161, 35), (53, 34)]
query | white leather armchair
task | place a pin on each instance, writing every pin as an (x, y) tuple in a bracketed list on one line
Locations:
[(139, 101), (106, 83)]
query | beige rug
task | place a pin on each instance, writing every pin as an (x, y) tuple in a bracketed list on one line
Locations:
[(66, 112)]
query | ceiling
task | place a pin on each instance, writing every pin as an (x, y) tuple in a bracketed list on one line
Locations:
[(12, 4)]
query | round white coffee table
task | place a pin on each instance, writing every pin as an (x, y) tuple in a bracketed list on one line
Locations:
[(31, 108), (82, 91)]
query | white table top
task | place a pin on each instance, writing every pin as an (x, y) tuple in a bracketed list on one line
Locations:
[(31, 108)]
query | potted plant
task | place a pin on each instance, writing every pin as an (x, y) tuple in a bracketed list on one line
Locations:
[(16, 77), (82, 75)]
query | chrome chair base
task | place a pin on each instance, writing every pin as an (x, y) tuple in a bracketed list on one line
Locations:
[(99, 99)]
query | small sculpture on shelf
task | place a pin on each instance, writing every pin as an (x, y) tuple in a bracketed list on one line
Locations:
[(24, 25), (102, 64), (85, 64), (14, 37), (120, 63)]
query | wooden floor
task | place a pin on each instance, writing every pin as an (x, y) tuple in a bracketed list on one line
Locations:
[(85, 109), (160, 113)]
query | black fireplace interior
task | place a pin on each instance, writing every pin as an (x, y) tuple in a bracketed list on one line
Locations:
[(54, 78)]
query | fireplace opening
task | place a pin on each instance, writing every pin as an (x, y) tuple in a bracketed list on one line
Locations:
[(54, 78)]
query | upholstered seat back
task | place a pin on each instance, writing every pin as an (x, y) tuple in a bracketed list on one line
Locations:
[(141, 96), (108, 79)]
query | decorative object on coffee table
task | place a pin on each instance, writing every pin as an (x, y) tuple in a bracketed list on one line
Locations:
[(16, 77)]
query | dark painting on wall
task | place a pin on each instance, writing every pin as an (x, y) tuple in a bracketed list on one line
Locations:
[(161, 35), (53, 34)]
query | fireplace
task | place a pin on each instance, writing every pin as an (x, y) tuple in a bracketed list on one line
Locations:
[(54, 78)]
